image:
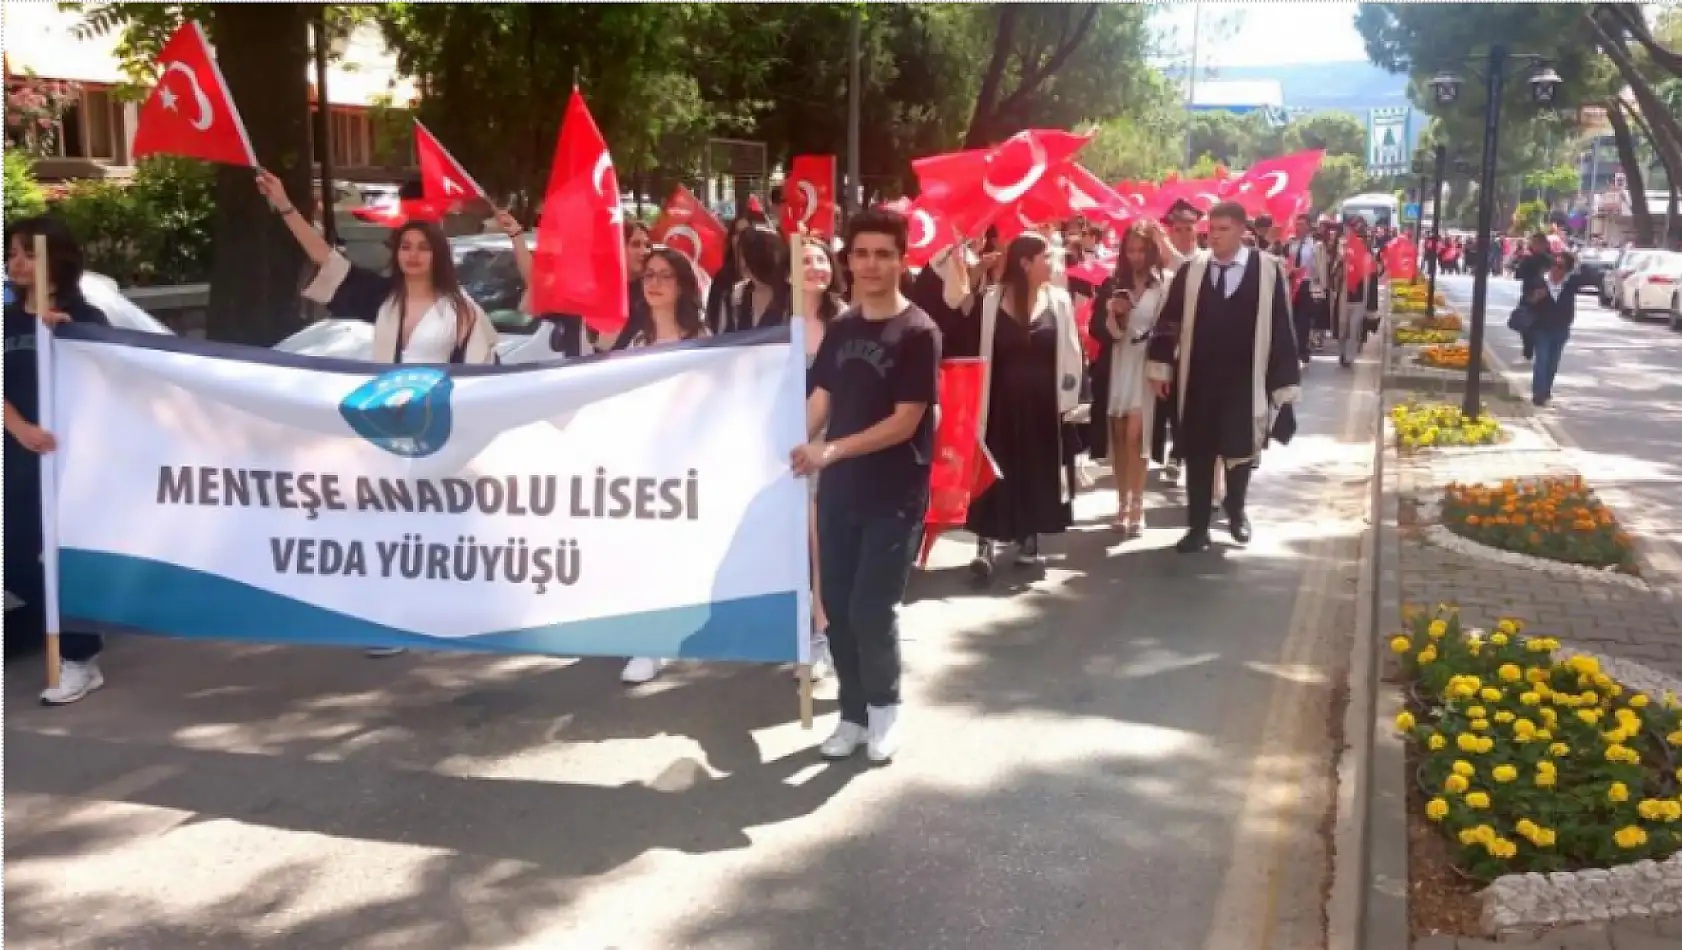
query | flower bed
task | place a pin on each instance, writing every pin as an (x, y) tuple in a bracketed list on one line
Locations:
[(1422, 425), (1446, 356), (1532, 763), (1415, 335), (1559, 519), (1442, 321)]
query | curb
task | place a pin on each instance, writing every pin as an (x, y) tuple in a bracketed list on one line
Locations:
[(1385, 924)]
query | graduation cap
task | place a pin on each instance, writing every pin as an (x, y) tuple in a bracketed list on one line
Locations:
[(1182, 206)]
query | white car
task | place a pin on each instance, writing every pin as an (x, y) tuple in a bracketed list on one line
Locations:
[(1617, 279), (1652, 288)]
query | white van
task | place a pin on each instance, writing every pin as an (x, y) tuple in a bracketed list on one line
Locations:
[(1375, 208)]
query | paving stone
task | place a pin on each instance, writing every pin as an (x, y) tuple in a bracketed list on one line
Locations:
[(1631, 939), (1669, 926)]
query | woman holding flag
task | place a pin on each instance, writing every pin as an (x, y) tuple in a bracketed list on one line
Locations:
[(420, 313)]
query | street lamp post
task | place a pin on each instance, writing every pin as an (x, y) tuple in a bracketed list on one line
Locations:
[(1544, 84), (1419, 199)]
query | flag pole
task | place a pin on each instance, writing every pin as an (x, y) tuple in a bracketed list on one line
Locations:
[(49, 471), (797, 346)]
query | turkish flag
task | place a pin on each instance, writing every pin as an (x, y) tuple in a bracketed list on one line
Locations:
[(809, 195), (962, 467), (443, 180), (394, 216), (928, 233), (1359, 260), (1201, 194), (1401, 259), (977, 186), (579, 263), (1137, 192), (189, 111), (1089, 197), (1277, 186), (686, 226)]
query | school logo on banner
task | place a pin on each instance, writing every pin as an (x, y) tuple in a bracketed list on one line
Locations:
[(405, 411)]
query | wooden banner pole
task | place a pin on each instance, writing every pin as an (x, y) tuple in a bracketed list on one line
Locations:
[(42, 303)]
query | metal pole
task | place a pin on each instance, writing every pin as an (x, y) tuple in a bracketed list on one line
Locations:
[(323, 128), (1486, 222), (1419, 218), (1436, 230), (854, 183)]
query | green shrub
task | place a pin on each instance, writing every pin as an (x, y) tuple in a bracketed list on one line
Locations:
[(155, 230), (24, 197)]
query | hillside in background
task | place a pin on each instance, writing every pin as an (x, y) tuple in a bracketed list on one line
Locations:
[(1347, 87)]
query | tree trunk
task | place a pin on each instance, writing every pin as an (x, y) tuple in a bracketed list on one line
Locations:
[(1666, 127), (1630, 18), (1633, 179), (987, 99), (263, 51)]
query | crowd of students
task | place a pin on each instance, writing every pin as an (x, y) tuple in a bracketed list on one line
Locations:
[(1194, 374)]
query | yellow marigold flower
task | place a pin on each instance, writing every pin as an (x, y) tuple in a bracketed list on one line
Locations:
[(1525, 827), (1558, 750), (1437, 630), (1629, 837), (1427, 655), (1501, 848), (1456, 784), (1485, 743), (1506, 625), (1549, 717), (1503, 716), (1490, 694), (1468, 836), (1589, 698), (1462, 767), (1466, 742), (1615, 737), (1674, 738), (1436, 809), (1504, 773), (1477, 800), (1546, 779), (1650, 809), (1618, 792), (1543, 735), (1400, 644), (1544, 838), (1670, 810), (1476, 712), (1479, 725), (1509, 672), (1404, 721), (1589, 716), (1587, 665), (1498, 639), (1536, 645), (1638, 701), (1436, 742), (1536, 674), (1524, 727), (1530, 699)]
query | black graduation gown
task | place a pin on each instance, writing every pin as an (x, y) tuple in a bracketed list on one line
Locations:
[(1217, 417)]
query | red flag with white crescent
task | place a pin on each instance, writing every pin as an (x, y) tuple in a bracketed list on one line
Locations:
[(443, 180), (190, 111), (976, 186), (1401, 258), (928, 233), (809, 195), (578, 265), (686, 226), (1276, 186), (962, 468)]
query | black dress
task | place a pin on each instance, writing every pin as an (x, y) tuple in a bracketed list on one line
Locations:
[(1026, 436)]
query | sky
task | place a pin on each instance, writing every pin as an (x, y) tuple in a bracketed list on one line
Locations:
[(1263, 34)]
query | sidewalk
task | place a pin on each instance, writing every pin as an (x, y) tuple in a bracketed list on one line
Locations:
[(1639, 622)]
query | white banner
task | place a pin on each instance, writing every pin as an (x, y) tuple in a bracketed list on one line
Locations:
[(639, 505)]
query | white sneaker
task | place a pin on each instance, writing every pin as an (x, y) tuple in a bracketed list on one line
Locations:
[(375, 653), (884, 733), (75, 680), (844, 741), (640, 670)]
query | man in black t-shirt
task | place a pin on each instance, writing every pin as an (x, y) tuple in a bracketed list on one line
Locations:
[(870, 418)]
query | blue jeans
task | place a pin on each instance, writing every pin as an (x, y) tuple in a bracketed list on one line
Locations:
[(864, 561), (1549, 343)]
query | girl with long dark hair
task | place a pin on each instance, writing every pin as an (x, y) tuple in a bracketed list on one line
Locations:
[(1123, 317), (420, 313), (1034, 366), (762, 298), (724, 282), (672, 294), (27, 442)]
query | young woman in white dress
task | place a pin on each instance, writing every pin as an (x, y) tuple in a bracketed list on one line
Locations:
[(1138, 289), (420, 313)]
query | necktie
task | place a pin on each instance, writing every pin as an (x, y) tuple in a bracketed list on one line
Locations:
[(1220, 277)]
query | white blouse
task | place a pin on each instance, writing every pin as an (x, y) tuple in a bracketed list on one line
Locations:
[(434, 337)]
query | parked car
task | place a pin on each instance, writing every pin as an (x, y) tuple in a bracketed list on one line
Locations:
[(1594, 262), (1611, 293), (1651, 288)]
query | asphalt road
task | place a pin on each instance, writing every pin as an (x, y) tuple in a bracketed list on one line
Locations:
[(1129, 749), (1617, 407)]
